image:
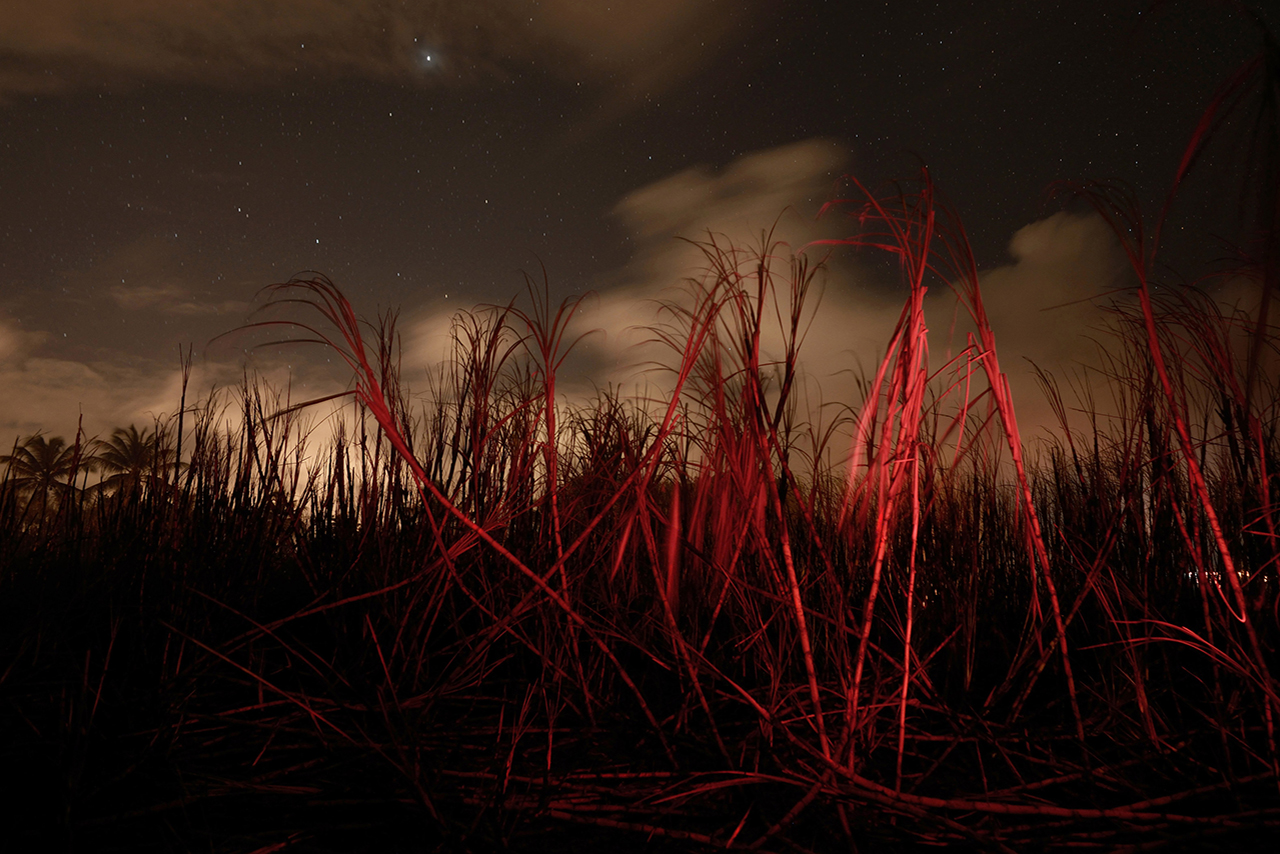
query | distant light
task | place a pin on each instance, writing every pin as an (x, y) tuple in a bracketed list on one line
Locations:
[(427, 59)]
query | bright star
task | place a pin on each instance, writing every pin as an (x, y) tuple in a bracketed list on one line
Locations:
[(428, 60)]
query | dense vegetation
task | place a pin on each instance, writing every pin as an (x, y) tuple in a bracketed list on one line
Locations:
[(487, 618)]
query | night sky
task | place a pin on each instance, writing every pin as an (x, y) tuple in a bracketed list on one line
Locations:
[(162, 161)]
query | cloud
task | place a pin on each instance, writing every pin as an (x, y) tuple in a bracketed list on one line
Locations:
[(64, 44), (775, 192), (42, 394), (749, 193), (15, 342), (767, 196), (1048, 309), (1045, 305), (171, 299), (61, 45), (429, 336), (746, 198), (643, 46), (154, 274), (46, 394)]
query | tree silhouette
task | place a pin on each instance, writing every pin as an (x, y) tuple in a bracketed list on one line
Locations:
[(44, 468), (132, 458)]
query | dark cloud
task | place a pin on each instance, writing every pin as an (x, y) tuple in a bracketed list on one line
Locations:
[(626, 45), (172, 299)]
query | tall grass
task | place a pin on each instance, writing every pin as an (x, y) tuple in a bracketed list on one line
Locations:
[(487, 615), (704, 638)]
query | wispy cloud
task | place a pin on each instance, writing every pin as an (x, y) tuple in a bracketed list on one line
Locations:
[(43, 394), (47, 394), (17, 343), (172, 299), (641, 45)]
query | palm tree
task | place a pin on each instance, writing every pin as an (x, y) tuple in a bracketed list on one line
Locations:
[(44, 468), (133, 458)]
